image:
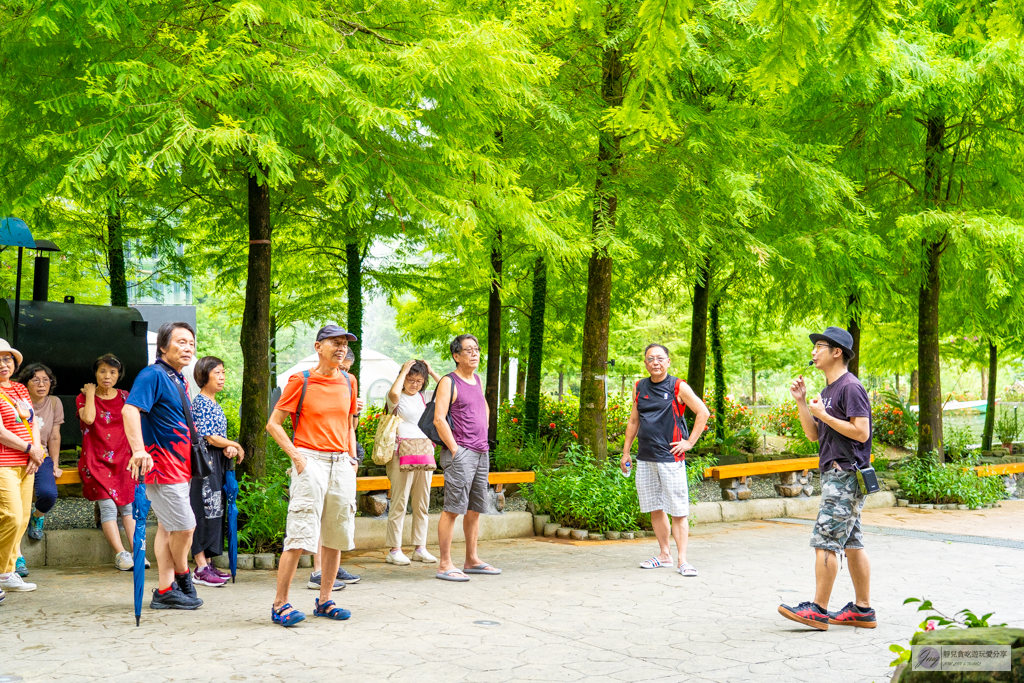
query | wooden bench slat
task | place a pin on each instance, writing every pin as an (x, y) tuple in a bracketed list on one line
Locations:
[(71, 476), (1006, 468), (769, 467)]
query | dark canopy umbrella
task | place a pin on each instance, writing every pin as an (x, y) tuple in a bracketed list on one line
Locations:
[(140, 511), (231, 494)]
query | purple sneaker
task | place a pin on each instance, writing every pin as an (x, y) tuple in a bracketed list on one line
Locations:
[(205, 576), (220, 572)]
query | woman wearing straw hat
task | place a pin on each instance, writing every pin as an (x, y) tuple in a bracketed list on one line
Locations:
[(20, 457)]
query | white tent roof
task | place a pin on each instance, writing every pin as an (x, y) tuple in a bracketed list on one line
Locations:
[(377, 372)]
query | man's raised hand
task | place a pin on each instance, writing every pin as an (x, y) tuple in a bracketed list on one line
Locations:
[(798, 390)]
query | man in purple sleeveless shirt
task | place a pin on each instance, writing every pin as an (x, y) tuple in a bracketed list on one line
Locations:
[(464, 459)]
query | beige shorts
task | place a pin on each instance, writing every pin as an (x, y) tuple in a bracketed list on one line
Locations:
[(322, 503)]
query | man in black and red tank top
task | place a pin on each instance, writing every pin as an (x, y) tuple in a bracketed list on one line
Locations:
[(657, 418)]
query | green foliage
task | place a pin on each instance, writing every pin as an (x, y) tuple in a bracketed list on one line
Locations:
[(263, 505), (739, 426), (587, 495), (367, 429), (536, 454), (892, 426), (965, 618), (557, 421), (782, 420), (923, 479), (1008, 426), (956, 439)]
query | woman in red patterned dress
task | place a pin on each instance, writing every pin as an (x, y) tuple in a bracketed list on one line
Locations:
[(105, 456)]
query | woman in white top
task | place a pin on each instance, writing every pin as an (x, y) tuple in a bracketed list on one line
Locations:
[(412, 467)]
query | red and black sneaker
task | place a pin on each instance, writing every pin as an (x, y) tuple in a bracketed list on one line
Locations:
[(807, 613), (851, 615)]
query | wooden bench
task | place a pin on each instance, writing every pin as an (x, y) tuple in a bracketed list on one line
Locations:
[(993, 470), (498, 479), (792, 475)]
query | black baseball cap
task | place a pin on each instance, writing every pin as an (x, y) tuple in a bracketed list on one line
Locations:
[(837, 336), (329, 331)]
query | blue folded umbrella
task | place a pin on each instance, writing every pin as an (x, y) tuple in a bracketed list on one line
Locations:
[(140, 511), (231, 494)]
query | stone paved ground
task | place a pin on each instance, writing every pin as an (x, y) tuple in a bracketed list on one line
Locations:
[(565, 612)]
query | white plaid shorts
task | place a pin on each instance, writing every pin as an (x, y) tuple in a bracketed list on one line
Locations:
[(662, 486)]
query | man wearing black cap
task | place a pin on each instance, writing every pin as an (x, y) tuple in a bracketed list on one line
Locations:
[(840, 421), (322, 491)]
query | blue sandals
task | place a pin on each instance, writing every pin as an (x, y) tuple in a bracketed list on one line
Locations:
[(331, 611), (290, 619)]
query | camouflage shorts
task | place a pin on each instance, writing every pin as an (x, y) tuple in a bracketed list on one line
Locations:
[(838, 525)]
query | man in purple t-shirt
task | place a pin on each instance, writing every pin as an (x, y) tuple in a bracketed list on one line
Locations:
[(840, 421), (465, 459)]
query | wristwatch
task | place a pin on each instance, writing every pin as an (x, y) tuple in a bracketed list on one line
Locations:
[(28, 447)]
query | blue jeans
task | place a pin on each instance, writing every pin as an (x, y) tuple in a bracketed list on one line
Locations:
[(46, 487)]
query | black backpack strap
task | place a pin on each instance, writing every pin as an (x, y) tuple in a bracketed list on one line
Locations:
[(348, 378), (302, 397)]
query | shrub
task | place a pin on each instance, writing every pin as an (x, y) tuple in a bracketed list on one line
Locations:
[(367, 429), (556, 420), (586, 495), (538, 454), (740, 426), (956, 439), (783, 420), (892, 426), (1008, 427), (263, 505), (924, 479)]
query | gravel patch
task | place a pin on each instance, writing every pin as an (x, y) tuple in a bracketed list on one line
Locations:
[(709, 490)]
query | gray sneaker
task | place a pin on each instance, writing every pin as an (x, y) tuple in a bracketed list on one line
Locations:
[(314, 583)]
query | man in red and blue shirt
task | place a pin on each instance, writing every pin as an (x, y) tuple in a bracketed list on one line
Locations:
[(157, 429)]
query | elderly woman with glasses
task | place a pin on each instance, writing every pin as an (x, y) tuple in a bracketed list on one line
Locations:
[(50, 414), (21, 454)]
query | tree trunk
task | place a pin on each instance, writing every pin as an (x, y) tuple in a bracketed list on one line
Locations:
[(254, 337), (717, 357), (594, 366), (561, 385), (697, 367), (116, 260), (504, 392), (272, 354), (753, 381), (853, 307), (930, 415), (984, 381), (494, 356), (520, 377), (531, 411), (354, 268), (990, 408), (898, 384), (915, 393)]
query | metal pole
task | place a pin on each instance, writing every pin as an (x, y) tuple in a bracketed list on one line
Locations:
[(17, 299)]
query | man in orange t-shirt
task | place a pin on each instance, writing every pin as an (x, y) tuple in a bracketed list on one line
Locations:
[(322, 492)]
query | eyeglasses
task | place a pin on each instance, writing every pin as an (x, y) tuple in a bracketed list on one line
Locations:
[(40, 380), (471, 350), (822, 345), (8, 359), (656, 359)]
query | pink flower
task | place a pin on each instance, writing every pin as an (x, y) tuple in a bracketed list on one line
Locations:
[(930, 626)]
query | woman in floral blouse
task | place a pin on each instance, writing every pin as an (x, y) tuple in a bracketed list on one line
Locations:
[(105, 455), (207, 494)]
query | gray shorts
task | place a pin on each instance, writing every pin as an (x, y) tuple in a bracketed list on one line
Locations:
[(172, 506), (838, 525), (109, 510), (465, 480)]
